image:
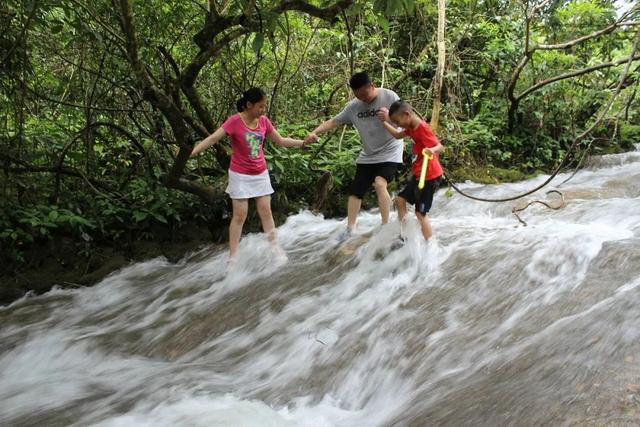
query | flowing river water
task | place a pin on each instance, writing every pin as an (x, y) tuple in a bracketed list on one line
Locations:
[(492, 323)]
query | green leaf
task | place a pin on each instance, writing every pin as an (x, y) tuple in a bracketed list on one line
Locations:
[(379, 5), (140, 215), (410, 5), (394, 6), (159, 217), (384, 23), (258, 41)]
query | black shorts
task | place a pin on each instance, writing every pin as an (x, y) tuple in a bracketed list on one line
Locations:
[(366, 174), (422, 199)]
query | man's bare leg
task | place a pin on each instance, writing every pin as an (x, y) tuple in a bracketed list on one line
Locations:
[(401, 206), (353, 208), (384, 199)]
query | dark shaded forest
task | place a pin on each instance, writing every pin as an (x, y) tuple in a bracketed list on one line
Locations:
[(103, 101)]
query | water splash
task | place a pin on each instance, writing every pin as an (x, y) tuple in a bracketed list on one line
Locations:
[(490, 323)]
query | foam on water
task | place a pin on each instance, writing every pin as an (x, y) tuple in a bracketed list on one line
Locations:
[(488, 323)]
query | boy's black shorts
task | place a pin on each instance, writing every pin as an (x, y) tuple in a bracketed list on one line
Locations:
[(422, 199), (366, 173)]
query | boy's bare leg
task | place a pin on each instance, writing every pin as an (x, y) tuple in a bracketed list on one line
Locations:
[(353, 207), (384, 199), (401, 206), (240, 209), (425, 225)]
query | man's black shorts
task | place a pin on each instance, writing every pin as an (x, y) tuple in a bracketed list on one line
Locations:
[(422, 199), (366, 175)]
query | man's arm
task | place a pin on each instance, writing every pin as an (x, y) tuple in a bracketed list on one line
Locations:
[(324, 127)]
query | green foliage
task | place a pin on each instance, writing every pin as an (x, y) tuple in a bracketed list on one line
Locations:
[(82, 150), (21, 226), (478, 136), (629, 135)]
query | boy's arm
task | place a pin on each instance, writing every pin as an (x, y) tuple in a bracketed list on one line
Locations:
[(393, 131), (208, 141), (284, 142), (432, 143), (435, 149)]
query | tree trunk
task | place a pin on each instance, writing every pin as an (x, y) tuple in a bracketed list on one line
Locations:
[(437, 84)]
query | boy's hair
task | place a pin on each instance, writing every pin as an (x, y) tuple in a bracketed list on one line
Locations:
[(359, 80), (400, 106)]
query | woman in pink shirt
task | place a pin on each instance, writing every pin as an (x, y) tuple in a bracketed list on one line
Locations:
[(248, 174)]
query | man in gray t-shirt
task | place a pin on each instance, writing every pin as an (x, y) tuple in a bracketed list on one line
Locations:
[(381, 153)]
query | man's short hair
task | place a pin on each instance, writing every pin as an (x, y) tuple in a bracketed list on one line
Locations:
[(399, 106), (359, 80)]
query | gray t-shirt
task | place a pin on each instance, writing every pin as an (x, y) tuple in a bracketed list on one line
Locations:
[(377, 144)]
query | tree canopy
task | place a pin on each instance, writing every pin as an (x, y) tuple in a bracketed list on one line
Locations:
[(102, 101)]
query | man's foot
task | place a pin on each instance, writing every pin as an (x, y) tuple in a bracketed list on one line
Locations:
[(343, 236), (398, 242), (231, 264)]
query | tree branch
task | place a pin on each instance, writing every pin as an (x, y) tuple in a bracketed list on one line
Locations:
[(154, 95), (29, 168), (326, 13), (529, 51), (574, 42), (70, 104), (574, 74), (206, 193), (22, 33)]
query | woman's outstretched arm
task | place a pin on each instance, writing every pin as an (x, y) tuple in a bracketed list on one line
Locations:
[(208, 141), (284, 142)]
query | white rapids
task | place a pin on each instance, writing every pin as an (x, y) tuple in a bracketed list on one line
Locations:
[(490, 323)]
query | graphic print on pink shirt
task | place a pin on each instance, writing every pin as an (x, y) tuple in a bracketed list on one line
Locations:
[(254, 140)]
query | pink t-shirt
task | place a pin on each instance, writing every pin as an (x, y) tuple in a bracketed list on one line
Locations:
[(247, 156)]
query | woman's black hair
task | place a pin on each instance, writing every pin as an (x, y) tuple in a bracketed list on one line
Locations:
[(253, 95)]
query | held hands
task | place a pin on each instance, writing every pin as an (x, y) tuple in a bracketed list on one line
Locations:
[(310, 139), (383, 114)]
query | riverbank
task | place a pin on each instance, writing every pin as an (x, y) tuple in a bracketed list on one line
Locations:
[(67, 262)]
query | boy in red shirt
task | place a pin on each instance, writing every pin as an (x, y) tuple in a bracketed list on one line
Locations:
[(401, 114)]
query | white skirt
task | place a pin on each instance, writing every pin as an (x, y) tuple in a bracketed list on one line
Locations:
[(243, 186)]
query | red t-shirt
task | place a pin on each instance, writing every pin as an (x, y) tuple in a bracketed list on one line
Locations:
[(247, 156), (423, 137)]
